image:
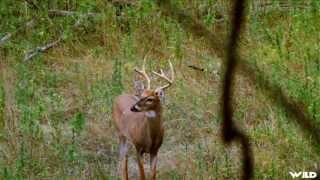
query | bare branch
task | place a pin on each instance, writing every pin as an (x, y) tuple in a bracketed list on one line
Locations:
[(123, 2), (40, 49), (267, 7), (27, 25), (196, 67), (56, 13), (5, 38), (29, 55), (31, 4)]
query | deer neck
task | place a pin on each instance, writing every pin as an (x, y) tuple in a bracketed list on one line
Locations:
[(154, 117)]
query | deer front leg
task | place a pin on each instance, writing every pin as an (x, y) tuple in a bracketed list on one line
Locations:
[(153, 165), (123, 164), (140, 164)]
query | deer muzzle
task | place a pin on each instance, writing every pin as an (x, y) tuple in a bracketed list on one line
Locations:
[(135, 108)]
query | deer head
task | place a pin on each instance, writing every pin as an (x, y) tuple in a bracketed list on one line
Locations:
[(149, 99)]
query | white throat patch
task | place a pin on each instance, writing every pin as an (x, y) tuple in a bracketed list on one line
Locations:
[(151, 114)]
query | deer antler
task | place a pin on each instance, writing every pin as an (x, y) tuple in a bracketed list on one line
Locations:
[(143, 73), (163, 76)]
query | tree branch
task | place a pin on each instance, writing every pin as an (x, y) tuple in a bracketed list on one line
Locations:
[(30, 54), (27, 25), (41, 49), (194, 67), (57, 13)]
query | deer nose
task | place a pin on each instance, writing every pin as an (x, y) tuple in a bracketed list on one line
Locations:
[(135, 108)]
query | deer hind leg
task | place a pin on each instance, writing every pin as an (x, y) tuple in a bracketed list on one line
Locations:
[(140, 165), (123, 164), (153, 165)]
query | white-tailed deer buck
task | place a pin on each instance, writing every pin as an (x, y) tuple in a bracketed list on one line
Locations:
[(138, 119)]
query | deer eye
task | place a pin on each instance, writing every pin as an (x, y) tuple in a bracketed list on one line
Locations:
[(149, 100)]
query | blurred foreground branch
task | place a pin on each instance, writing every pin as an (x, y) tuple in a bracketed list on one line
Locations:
[(292, 107)]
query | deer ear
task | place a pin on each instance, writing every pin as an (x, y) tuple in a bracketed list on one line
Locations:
[(160, 93), (139, 86)]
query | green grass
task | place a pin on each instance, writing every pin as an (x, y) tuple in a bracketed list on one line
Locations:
[(55, 110)]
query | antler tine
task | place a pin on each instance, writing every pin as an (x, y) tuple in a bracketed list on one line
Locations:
[(163, 76), (143, 73)]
